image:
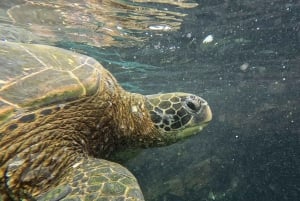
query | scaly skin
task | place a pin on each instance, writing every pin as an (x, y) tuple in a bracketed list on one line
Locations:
[(55, 150)]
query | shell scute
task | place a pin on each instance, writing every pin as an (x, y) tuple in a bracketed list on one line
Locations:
[(33, 76), (89, 77)]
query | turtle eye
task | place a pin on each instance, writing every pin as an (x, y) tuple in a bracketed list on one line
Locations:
[(193, 103)]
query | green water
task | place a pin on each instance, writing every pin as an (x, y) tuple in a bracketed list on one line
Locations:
[(250, 75)]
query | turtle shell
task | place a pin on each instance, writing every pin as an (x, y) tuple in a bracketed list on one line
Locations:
[(33, 76)]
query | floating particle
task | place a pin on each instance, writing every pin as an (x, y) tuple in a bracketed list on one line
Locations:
[(244, 66), (208, 39)]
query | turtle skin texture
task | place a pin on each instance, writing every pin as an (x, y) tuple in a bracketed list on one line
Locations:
[(62, 115)]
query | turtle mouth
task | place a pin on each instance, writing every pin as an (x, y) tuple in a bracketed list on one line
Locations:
[(197, 124), (187, 132), (202, 118)]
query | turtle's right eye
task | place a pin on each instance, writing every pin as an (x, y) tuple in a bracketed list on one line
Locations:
[(191, 105)]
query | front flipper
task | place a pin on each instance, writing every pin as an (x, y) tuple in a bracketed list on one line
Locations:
[(96, 179)]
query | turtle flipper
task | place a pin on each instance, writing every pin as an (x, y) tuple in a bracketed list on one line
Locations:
[(96, 179)]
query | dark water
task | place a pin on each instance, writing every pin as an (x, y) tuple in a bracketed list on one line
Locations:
[(250, 75)]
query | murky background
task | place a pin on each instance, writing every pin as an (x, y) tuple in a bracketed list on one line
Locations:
[(242, 56)]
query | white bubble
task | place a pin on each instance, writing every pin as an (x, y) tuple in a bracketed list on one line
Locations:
[(188, 35), (244, 66), (208, 39)]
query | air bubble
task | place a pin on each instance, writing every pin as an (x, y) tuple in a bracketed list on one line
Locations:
[(244, 66), (208, 39)]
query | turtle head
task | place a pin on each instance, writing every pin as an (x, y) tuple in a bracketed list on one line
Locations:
[(178, 115)]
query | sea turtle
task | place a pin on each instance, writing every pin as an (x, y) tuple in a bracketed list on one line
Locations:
[(62, 114)]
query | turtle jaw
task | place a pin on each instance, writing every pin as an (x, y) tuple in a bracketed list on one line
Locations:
[(204, 118), (196, 124)]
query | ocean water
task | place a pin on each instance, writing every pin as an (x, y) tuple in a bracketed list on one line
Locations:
[(242, 56)]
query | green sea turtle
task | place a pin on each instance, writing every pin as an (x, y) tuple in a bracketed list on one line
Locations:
[(62, 114)]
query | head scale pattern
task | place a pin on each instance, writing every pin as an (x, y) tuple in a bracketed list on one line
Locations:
[(175, 111)]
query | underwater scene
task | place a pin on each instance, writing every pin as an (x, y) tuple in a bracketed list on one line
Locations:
[(241, 56)]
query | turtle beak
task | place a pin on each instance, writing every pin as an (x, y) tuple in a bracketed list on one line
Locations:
[(207, 114), (204, 116), (199, 121)]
